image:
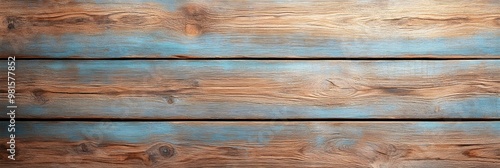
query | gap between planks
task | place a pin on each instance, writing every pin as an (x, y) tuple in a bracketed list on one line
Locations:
[(417, 57), (264, 120)]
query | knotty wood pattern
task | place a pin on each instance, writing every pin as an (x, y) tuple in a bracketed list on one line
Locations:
[(256, 144), (253, 89), (275, 90), (262, 28)]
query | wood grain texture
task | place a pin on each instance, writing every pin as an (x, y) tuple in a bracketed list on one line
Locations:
[(263, 28), (256, 144), (252, 89)]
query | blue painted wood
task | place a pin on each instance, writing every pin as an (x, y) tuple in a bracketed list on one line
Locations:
[(223, 133), (284, 29), (159, 44), (221, 144), (253, 89), (177, 89)]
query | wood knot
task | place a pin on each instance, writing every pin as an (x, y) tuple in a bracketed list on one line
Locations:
[(166, 151), (85, 148), (10, 23), (11, 26), (158, 152), (38, 96), (170, 99), (195, 83), (197, 19)]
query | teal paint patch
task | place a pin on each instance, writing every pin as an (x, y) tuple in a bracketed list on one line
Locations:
[(469, 128), (112, 44), (479, 107), (430, 126), (220, 133), (319, 141), (482, 107), (57, 65), (141, 132), (100, 132), (345, 143), (35, 110)]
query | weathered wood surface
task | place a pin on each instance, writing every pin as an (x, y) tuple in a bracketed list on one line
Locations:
[(276, 90), (253, 89), (261, 28), (255, 144)]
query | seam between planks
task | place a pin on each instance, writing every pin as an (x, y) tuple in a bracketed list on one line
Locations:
[(264, 120), (273, 58)]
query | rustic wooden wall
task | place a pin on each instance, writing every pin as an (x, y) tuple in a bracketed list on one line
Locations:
[(262, 83)]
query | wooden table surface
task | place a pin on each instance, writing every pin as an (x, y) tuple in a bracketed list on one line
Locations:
[(252, 83)]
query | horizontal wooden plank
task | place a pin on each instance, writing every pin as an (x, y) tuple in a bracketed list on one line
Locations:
[(254, 144), (262, 28), (256, 89)]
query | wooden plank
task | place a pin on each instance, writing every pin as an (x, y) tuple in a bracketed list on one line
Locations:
[(262, 28), (232, 89), (254, 144)]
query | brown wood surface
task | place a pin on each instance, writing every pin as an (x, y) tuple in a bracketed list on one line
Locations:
[(256, 144), (232, 89), (344, 19), (252, 83), (261, 28)]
